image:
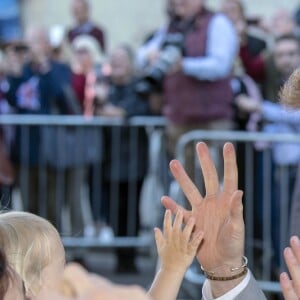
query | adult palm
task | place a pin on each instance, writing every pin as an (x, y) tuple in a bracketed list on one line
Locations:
[(219, 214)]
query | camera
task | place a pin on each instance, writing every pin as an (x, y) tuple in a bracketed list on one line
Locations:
[(171, 51)]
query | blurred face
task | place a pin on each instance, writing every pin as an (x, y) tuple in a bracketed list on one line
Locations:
[(282, 23), (38, 41), (84, 59), (232, 10), (187, 8), (121, 67), (80, 11), (287, 56)]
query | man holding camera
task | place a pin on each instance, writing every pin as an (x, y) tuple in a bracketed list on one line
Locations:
[(196, 85)]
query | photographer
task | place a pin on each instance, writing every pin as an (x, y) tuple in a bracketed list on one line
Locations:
[(196, 85)]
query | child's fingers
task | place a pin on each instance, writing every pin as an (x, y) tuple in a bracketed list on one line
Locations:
[(188, 230), (168, 224), (159, 238), (177, 227), (196, 241)]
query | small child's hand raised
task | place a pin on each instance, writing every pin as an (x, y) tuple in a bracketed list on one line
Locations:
[(177, 246)]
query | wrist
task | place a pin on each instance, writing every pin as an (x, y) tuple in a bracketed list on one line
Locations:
[(178, 270), (226, 268), (220, 288), (227, 276)]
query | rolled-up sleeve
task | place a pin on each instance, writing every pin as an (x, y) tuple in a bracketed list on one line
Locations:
[(221, 51)]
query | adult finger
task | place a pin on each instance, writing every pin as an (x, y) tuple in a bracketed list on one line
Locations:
[(170, 204), (230, 169), (295, 244), (196, 241), (188, 187), (287, 287), (236, 205), (294, 269), (209, 171), (188, 229)]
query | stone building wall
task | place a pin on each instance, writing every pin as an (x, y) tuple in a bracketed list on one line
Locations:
[(127, 20)]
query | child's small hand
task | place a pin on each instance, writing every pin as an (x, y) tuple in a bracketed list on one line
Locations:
[(177, 247)]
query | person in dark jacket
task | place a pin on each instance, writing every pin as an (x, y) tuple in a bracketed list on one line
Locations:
[(126, 150), (84, 24), (37, 88), (196, 87)]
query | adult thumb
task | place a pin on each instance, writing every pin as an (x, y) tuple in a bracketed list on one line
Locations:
[(236, 205)]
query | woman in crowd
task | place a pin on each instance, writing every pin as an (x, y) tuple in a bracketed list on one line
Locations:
[(125, 161), (87, 61), (252, 48), (86, 67)]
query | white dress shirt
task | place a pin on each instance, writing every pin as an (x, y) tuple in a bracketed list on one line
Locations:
[(232, 294)]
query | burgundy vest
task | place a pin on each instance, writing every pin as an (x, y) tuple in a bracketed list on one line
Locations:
[(188, 100)]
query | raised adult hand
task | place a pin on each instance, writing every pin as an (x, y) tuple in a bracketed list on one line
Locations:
[(219, 214)]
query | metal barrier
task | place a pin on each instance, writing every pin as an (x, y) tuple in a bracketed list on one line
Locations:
[(261, 180), (267, 198), (57, 155)]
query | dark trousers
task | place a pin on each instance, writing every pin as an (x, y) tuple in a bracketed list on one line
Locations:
[(45, 191)]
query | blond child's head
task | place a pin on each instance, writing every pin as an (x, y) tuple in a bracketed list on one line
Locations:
[(33, 249)]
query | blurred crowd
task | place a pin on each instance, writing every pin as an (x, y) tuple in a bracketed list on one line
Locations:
[(201, 70)]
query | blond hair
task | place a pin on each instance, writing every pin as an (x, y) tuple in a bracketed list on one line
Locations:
[(90, 44), (290, 93), (28, 242)]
